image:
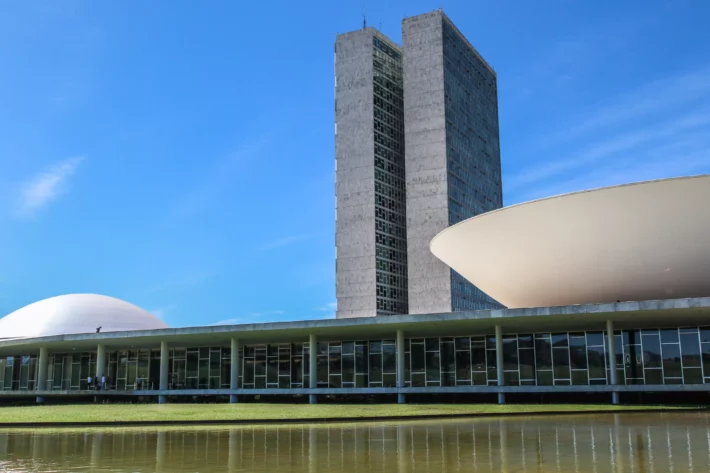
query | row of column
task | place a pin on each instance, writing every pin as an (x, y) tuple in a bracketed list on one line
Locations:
[(313, 366)]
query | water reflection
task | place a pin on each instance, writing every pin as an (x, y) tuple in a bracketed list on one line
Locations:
[(636, 443)]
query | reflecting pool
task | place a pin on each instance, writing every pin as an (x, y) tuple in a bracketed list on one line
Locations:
[(628, 443)]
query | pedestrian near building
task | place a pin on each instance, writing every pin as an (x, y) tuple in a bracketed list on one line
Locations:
[(89, 382), (103, 382)]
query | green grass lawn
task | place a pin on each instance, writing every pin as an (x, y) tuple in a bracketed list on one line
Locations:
[(247, 412)]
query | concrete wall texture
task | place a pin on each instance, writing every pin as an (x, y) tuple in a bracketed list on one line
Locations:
[(452, 161), (425, 157), (355, 284)]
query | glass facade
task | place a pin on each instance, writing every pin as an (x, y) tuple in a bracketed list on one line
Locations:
[(282, 365), (70, 371), (18, 373), (390, 203), (472, 148), (648, 356), (124, 367)]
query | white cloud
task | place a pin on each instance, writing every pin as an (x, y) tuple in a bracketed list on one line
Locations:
[(45, 187), (185, 279), (230, 322), (331, 306), (329, 309), (622, 138), (284, 241), (688, 154), (161, 312), (250, 318), (217, 178), (659, 96), (325, 312), (557, 65), (595, 152)]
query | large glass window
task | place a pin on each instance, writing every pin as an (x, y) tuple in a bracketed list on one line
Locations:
[(671, 362), (479, 365), (560, 363), (543, 352), (705, 353), (690, 348), (649, 356), (390, 202), (510, 353), (651, 343), (596, 357), (9, 368), (578, 352), (633, 359), (433, 368), (527, 366), (472, 148)]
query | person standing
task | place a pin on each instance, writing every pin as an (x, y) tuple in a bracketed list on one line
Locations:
[(103, 382), (89, 381)]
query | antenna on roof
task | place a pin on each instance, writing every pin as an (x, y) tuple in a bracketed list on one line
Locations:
[(364, 18)]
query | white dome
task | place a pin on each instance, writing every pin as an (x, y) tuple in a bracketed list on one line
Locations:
[(76, 313)]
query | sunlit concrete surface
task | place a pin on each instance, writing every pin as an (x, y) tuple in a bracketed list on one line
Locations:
[(642, 241), (76, 313)]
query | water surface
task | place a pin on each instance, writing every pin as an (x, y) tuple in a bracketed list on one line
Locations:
[(620, 443)]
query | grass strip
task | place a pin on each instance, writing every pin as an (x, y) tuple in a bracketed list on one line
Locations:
[(88, 413)]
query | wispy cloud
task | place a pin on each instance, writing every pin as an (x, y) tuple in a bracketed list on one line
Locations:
[(656, 163), (250, 318), (283, 241), (218, 177), (667, 96), (235, 321), (330, 306), (185, 279), (45, 187), (325, 312), (161, 312), (614, 144), (660, 129), (557, 65), (329, 310)]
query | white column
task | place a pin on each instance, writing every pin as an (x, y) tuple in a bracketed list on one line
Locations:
[(401, 399), (611, 355), (164, 368), (312, 367), (96, 450), (100, 361), (499, 362), (234, 451), (234, 369), (39, 443), (313, 449), (41, 382), (160, 450), (403, 463), (503, 439)]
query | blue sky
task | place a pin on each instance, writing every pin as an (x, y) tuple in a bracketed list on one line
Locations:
[(179, 155)]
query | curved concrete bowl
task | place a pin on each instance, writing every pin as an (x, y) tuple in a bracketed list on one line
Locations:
[(642, 241)]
